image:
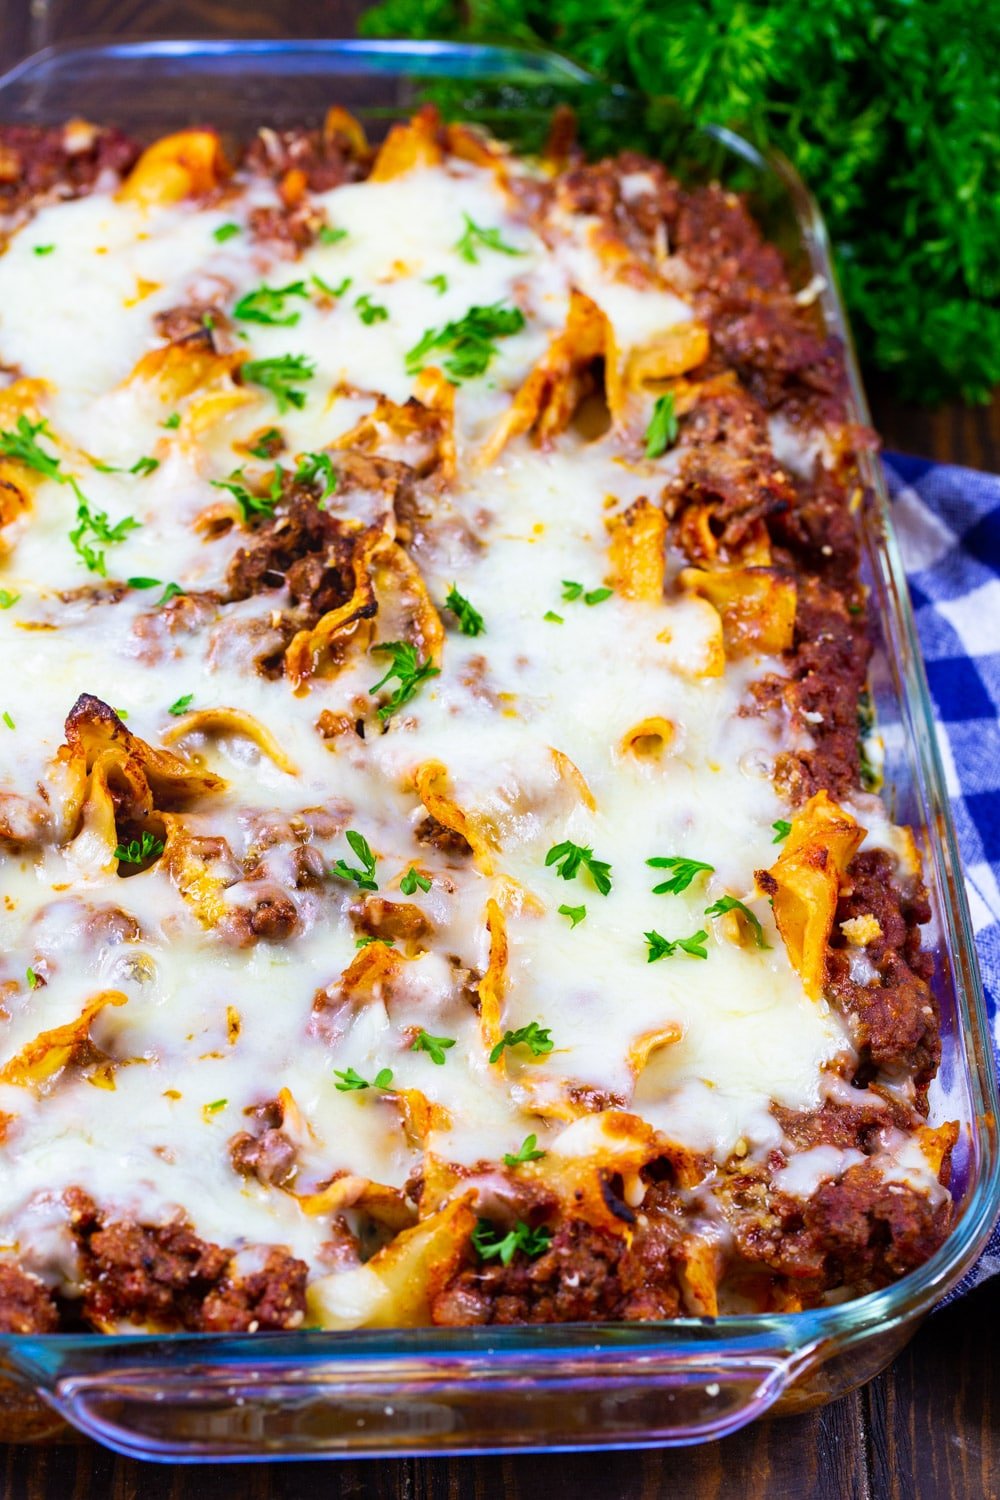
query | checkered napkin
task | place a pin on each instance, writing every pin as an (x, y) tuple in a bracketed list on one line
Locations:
[(948, 523)]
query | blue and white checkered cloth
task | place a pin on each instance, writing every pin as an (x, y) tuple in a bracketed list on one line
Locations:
[(948, 523)]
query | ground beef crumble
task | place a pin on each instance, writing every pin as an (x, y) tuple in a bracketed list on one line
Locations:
[(168, 1277)]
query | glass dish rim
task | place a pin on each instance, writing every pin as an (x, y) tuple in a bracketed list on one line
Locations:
[(839, 1325)]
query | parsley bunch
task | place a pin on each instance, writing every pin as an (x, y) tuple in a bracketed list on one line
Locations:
[(888, 108)]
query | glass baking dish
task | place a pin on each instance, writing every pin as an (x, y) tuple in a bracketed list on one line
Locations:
[(424, 1391)]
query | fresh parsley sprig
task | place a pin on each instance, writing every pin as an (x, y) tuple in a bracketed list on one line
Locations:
[(568, 858), (474, 237), (332, 291), (22, 444), (661, 433), (470, 621), (576, 914), (469, 343), (249, 503), (370, 312), (536, 1038), (94, 526), (684, 870), (488, 1242), (317, 468), (408, 670), (364, 878), (352, 1082), (527, 1151), (661, 947), (781, 831), (730, 903), (170, 590), (412, 879), (282, 376), (137, 851), (267, 305), (434, 1046)]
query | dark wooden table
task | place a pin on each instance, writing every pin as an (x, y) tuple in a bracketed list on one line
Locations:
[(928, 1428)]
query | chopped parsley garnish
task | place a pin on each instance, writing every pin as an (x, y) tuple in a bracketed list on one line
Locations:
[(94, 525), (144, 466), (661, 433), (573, 590), (267, 305), (8, 720), (536, 1038), (434, 1046), (327, 235), (527, 1151), (269, 443), (8, 600), (470, 342), (281, 376), (364, 878), (352, 1082), (550, 614), (137, 851), (684, 872), (568, 857), (368, 938), (576, 914), (475, 236), (487, 1241), (408, 670), (215, 1106), (332, 291), (730, 903), (370, 312), (317, 468), (33, 979), (43, 249), (412, 879), (21, 445), (170, 590), (781, 831), (249, 504), (181, 705), (470, 621), (174, 420), (439, 283), (225, 232), (661, 947)]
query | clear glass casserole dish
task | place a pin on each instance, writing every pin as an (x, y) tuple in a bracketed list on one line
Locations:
[(422, 1391)]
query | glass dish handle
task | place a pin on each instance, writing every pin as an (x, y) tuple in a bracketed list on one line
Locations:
[(316, 1407)]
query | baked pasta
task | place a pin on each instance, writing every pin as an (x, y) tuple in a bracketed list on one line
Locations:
[(443, 874)]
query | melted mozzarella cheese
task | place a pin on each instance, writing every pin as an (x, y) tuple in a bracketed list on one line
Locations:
[(79, 319)]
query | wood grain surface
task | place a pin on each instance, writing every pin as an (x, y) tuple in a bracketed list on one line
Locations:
[(928, 1428)]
